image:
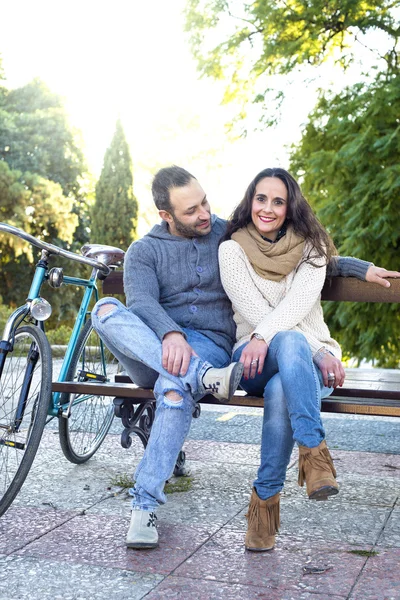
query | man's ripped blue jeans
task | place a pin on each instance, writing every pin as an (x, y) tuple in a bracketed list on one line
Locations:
[(139, 350)]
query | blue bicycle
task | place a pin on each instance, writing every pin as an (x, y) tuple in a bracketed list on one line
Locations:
[(26, 369)]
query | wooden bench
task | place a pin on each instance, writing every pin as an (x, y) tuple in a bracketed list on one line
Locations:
[(365, 391)]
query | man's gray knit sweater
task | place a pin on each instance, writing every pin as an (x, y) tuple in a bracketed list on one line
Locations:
[(172, 282)]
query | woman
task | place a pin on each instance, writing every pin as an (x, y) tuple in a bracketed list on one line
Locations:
[(273, 265)]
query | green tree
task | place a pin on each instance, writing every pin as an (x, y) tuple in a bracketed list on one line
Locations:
[(36, 136), (271, 37), (42, 170), (114, 215), (349, 162), (39, 207)]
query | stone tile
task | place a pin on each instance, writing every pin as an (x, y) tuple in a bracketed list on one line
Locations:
[(183, 588), (370, 490), (224, 558), (362, 433), (204, 506), (391, 534), (65, 485), (20, 526), (100, 540), (344, 523), (323, 521), (187, 508), (25, 578), (354, 489), (380, 577), (367, 463), (243, 428), (217, 476), (216, 495), (222, 452)]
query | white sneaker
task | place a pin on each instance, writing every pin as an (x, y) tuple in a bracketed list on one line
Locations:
[(142, 531), (222, 383)]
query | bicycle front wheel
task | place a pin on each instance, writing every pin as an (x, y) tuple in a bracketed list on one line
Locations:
[(25, 393), (84, 431)]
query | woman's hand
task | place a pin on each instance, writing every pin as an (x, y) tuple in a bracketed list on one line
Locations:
[(379, 275), (330, 365), (253, 357)]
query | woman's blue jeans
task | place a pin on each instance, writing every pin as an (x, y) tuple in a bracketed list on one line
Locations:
[(292, 388), (139, 350)]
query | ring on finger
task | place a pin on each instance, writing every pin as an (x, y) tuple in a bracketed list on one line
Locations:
[(254, 362), (331, 376)]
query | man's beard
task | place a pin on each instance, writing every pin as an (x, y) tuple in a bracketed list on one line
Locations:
[(188, 231)]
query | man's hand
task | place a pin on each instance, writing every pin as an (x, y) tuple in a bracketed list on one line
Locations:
[(253, 357), (176, 353), (330, 364), (379, 274)]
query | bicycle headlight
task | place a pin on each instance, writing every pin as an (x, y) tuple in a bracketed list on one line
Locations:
[(40, 309)]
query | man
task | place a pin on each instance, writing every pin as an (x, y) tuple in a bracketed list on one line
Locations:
[(176, 333)]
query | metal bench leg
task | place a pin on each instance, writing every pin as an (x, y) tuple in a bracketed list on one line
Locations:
[(138, 419)]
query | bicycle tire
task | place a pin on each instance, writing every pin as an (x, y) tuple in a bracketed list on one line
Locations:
[(82, 434), (18, 448)]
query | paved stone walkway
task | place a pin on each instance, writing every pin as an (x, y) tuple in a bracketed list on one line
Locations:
[(63, 538)]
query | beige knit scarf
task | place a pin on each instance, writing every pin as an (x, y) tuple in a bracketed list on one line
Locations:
[(270, 261)]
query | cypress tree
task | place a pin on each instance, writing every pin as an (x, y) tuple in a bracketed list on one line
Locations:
[(114, 214)]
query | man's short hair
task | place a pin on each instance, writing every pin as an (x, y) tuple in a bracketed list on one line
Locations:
[(164, 181)]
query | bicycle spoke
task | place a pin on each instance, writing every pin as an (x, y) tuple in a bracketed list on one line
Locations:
[(24, 395), (91, 416)]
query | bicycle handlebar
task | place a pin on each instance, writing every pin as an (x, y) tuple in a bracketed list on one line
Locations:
[(54, 249)]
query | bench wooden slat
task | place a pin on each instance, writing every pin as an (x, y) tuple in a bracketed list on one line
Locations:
[(345, 289), (129, 390), (350, 289), (122, 390), (363, 404)]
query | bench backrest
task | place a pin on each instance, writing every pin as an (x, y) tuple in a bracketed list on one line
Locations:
[(344, 289)]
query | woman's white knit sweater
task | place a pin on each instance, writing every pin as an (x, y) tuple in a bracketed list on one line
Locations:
[(267, 307)]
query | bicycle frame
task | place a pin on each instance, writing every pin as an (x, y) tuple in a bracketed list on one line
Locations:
[(40, 275), (91, 288)]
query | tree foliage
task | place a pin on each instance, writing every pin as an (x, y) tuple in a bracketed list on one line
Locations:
[(35, 136), (245, 43), (38, 206), (41, 172), (114, 214), (349, 162)]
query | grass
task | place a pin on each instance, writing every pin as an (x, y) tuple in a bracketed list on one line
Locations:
[(367, 553), (179, 484), (122, 480), (176, 486)]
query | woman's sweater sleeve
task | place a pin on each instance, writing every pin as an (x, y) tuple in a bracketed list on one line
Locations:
[(246, 299)]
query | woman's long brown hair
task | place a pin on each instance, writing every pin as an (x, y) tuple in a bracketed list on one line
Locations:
[(299, 214)]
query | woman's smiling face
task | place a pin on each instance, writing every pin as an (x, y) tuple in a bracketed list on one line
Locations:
[(269, 207)]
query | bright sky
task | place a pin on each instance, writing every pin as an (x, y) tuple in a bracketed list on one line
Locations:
[(131, 59)]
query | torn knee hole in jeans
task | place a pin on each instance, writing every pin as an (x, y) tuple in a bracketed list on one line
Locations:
[(172, 398), (105, 309)]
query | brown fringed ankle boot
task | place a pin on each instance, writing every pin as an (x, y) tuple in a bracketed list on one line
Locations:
[(263, 523), (317, 470)]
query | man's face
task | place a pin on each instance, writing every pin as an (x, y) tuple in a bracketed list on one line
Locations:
[(190, 215)]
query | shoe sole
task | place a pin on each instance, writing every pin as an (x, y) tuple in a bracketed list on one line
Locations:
[(324, 493), (236, 376), (142, 546), (259, 549)]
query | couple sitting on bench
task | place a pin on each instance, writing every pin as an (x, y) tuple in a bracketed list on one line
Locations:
[(178, 331)]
